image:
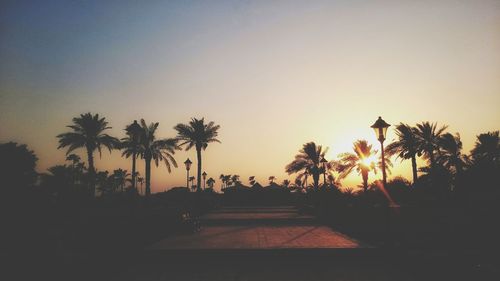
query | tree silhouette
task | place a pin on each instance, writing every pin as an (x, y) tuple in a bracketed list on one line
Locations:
[(286, 183), (251, 180), (405, 147), (191, 180), (104, 182), (222, 178), (359, 160), (450, 153), (17, 165), (75, 159), (487, 148), (211, 183), (227, 180), (131, 147), (308, 161), (140, 180), (428, 136), (88, 132), (157, 150), (59, 178), (272, 179), (235, 179), (485, 162), (120, 178), (197, 134)]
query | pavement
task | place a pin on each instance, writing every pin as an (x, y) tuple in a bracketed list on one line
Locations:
[(258, 228), (275, 243)]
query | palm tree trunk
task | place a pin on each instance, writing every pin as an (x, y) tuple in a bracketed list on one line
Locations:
[(133, 172), (316, 180), (365, 180), (431, 159), (198, 178), (414, 168), (91, 172), (148, 175)]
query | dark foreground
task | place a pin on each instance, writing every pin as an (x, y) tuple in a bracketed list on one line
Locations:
[(258, 244)]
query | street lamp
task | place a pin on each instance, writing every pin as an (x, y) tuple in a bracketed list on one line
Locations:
[(380, 128), (188, 166), (134, 130), (323, 163), (204, 175)]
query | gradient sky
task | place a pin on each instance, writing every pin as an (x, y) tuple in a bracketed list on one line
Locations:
[(273, 74)]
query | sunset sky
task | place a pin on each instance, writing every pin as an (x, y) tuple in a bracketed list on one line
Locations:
[(273, 74)]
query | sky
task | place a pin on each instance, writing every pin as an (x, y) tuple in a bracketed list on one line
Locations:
[(273, 74)]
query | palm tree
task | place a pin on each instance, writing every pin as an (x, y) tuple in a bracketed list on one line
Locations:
[(76, 167), (120, 178), (191, 180), (197, 134), (361, 160), (405, 147), (251, 180), (271, 179), (157, 150), (308, 161), (222, 178), (88, 132), (140, 180), (104, 184), (131, 147), (227, 180), (75, 159), (286, 183), (451, 156), (211, 183), (487, 148), (428, 136), (235, 179)]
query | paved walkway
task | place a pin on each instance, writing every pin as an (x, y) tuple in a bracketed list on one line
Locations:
[(258, 228)]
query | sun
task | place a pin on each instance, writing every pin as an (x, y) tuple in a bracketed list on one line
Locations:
[(368, 161)]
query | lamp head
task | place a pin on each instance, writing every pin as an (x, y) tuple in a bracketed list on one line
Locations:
[(380, 128)]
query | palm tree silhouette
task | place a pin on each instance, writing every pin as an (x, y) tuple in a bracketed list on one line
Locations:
[(120, 178), (140, 180), (76, 167), (211, 183), (235, 179), (197, 134), (251, 180), (191, 180), (405, 147), (222, 178), (487, 148), (308, 161), (75, 159), (451, 156), (428, 136), (131, 147), (88, 132), (227, 180), (272, 179), (286, 183), (157, 150), (359, 160)]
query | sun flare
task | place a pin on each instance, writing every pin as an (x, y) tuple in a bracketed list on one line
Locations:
[(368, 161)]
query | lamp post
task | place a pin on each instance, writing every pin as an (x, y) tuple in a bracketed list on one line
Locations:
[(380, 128), (323, 163), (204, 175), (188, 166), (134, 130)]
